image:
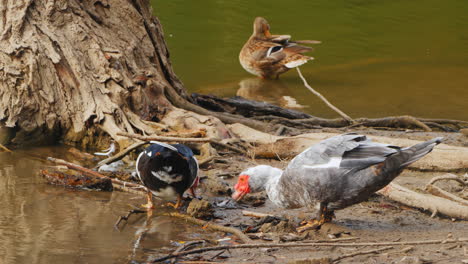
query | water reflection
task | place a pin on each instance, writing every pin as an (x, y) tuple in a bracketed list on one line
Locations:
[(271, 91), (40, 223)]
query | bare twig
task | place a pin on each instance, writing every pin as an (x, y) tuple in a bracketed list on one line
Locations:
[(361, 253), (5, 148), (345, 116), (310, 244), (125, 217), (178, 139)]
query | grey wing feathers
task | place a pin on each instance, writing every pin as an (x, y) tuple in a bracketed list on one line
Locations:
[(355, 151), (367, 154)]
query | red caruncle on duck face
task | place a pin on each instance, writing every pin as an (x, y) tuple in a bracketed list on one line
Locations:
[(241, 188)]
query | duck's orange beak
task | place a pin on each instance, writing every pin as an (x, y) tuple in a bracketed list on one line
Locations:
[(241, 188)]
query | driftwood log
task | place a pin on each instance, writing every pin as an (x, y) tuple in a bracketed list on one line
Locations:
[(431, 203)]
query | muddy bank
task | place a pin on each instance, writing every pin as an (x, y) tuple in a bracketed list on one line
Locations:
[(377, 220)]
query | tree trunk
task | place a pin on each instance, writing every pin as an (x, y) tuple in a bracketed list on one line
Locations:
[(75, 70)]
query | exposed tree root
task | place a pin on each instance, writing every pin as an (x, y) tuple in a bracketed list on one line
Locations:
[(178, 139), (431, 188), (227, 118), (448, 176), (434, 190)]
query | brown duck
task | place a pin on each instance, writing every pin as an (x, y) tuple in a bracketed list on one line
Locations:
[(268, 55)]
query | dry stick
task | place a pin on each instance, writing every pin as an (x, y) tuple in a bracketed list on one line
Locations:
[(5, 148), (361, 253), (254, 214), (345, 116), (121, 154), (315, 244), (177, 139)]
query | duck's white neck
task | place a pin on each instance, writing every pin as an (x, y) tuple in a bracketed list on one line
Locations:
[(267, 178)]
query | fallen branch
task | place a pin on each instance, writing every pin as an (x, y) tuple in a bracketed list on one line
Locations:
[(361, 253), (309, 244), (430, 203), (345, 116), (177, 139), (5, 148), (119, 184)]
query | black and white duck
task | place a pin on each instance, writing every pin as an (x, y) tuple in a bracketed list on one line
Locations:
[(167, 171), (335, 173)]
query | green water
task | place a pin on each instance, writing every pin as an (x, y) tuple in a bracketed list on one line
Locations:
[(377, 58)]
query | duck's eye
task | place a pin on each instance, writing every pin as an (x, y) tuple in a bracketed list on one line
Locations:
[(274, 49)]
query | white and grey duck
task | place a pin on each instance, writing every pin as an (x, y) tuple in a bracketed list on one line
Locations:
[(167, 171), (335, 173)]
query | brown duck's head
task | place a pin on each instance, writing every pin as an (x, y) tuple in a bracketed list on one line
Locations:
[(261, 28)]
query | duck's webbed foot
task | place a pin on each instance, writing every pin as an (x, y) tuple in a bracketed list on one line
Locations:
[(325, 217), (178, 203)]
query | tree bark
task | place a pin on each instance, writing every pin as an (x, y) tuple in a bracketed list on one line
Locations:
[(77, 68)]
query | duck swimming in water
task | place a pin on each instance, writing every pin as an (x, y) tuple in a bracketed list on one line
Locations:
[(333, 174), (268, 55), (167, 171)]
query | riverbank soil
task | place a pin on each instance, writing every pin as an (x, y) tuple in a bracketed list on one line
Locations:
[(378, 220)]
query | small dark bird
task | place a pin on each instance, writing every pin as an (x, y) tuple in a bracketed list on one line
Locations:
[(333, 174), (167, 171)]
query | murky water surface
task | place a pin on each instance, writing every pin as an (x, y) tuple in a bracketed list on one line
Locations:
[(41, 223), (378, 58)]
